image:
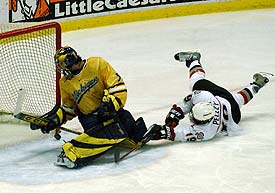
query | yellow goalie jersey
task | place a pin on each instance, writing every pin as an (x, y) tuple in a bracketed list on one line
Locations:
[(84, 91)]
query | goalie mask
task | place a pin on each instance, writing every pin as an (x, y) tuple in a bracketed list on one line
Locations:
[(202, 113), (64, 59)]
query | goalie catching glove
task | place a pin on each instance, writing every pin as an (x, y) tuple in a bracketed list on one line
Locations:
[(174, 116), (56, 117), (108, 107)]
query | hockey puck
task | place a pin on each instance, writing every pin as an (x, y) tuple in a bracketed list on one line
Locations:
[(57, 136)]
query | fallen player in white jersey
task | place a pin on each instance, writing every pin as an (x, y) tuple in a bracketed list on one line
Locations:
[(213, 111)]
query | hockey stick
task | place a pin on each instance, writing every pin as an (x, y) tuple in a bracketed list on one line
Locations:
[(40, 121), (149, 135), (34, 119), (146, 139), (119, 158)]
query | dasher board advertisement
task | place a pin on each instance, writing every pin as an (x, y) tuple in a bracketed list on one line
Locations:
[(42, 10)]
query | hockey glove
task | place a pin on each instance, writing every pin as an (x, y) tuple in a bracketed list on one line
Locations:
[(111, 99), (108, 107), (55, 118), (105, 111), (174, 116), (157, 132)]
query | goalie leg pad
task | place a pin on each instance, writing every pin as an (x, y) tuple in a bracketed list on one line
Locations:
[(88, 146), (128, 143)]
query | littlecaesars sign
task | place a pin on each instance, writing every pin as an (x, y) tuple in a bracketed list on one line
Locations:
[(90, 6), (42, 10)]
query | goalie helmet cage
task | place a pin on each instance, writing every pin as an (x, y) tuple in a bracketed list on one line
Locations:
[(26, 62)]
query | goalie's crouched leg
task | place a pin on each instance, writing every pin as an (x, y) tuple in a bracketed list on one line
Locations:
[(83, 149), (134, 128)]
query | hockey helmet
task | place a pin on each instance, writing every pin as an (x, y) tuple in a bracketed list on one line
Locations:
[(64, 59), (202, 112)]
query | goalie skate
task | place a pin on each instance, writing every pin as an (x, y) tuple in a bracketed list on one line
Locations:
[(63, 161)]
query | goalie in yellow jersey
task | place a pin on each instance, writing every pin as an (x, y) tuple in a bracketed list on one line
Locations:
[(92, 90)]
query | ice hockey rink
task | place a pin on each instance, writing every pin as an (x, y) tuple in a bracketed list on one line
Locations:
[(233, 45)]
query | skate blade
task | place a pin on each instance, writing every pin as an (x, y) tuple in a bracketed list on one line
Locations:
[(67, 164), (267, 74)]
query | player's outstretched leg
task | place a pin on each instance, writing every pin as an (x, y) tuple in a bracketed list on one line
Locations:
[(192, 60), (246, 94)]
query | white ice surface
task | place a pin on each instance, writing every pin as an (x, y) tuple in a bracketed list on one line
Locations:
[(233, 45)]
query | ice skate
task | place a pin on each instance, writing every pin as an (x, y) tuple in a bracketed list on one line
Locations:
[(260, 79), (188, 57), (63, 161)]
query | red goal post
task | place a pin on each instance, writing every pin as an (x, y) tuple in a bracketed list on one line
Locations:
[(26, 62)]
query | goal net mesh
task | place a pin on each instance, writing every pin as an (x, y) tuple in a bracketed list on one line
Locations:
[(26, 62)]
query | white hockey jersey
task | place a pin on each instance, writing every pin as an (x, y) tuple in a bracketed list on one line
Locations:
[(221, 124)]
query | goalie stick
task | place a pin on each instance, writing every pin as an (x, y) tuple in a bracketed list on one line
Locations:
[(34, 119), (40, 121)]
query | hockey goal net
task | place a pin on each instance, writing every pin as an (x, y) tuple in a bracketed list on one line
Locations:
[(26, 62)]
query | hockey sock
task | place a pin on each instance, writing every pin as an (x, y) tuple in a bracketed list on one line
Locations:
[(195, 67), (248, 93)]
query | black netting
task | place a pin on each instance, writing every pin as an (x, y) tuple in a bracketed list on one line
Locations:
[(26, 61)]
